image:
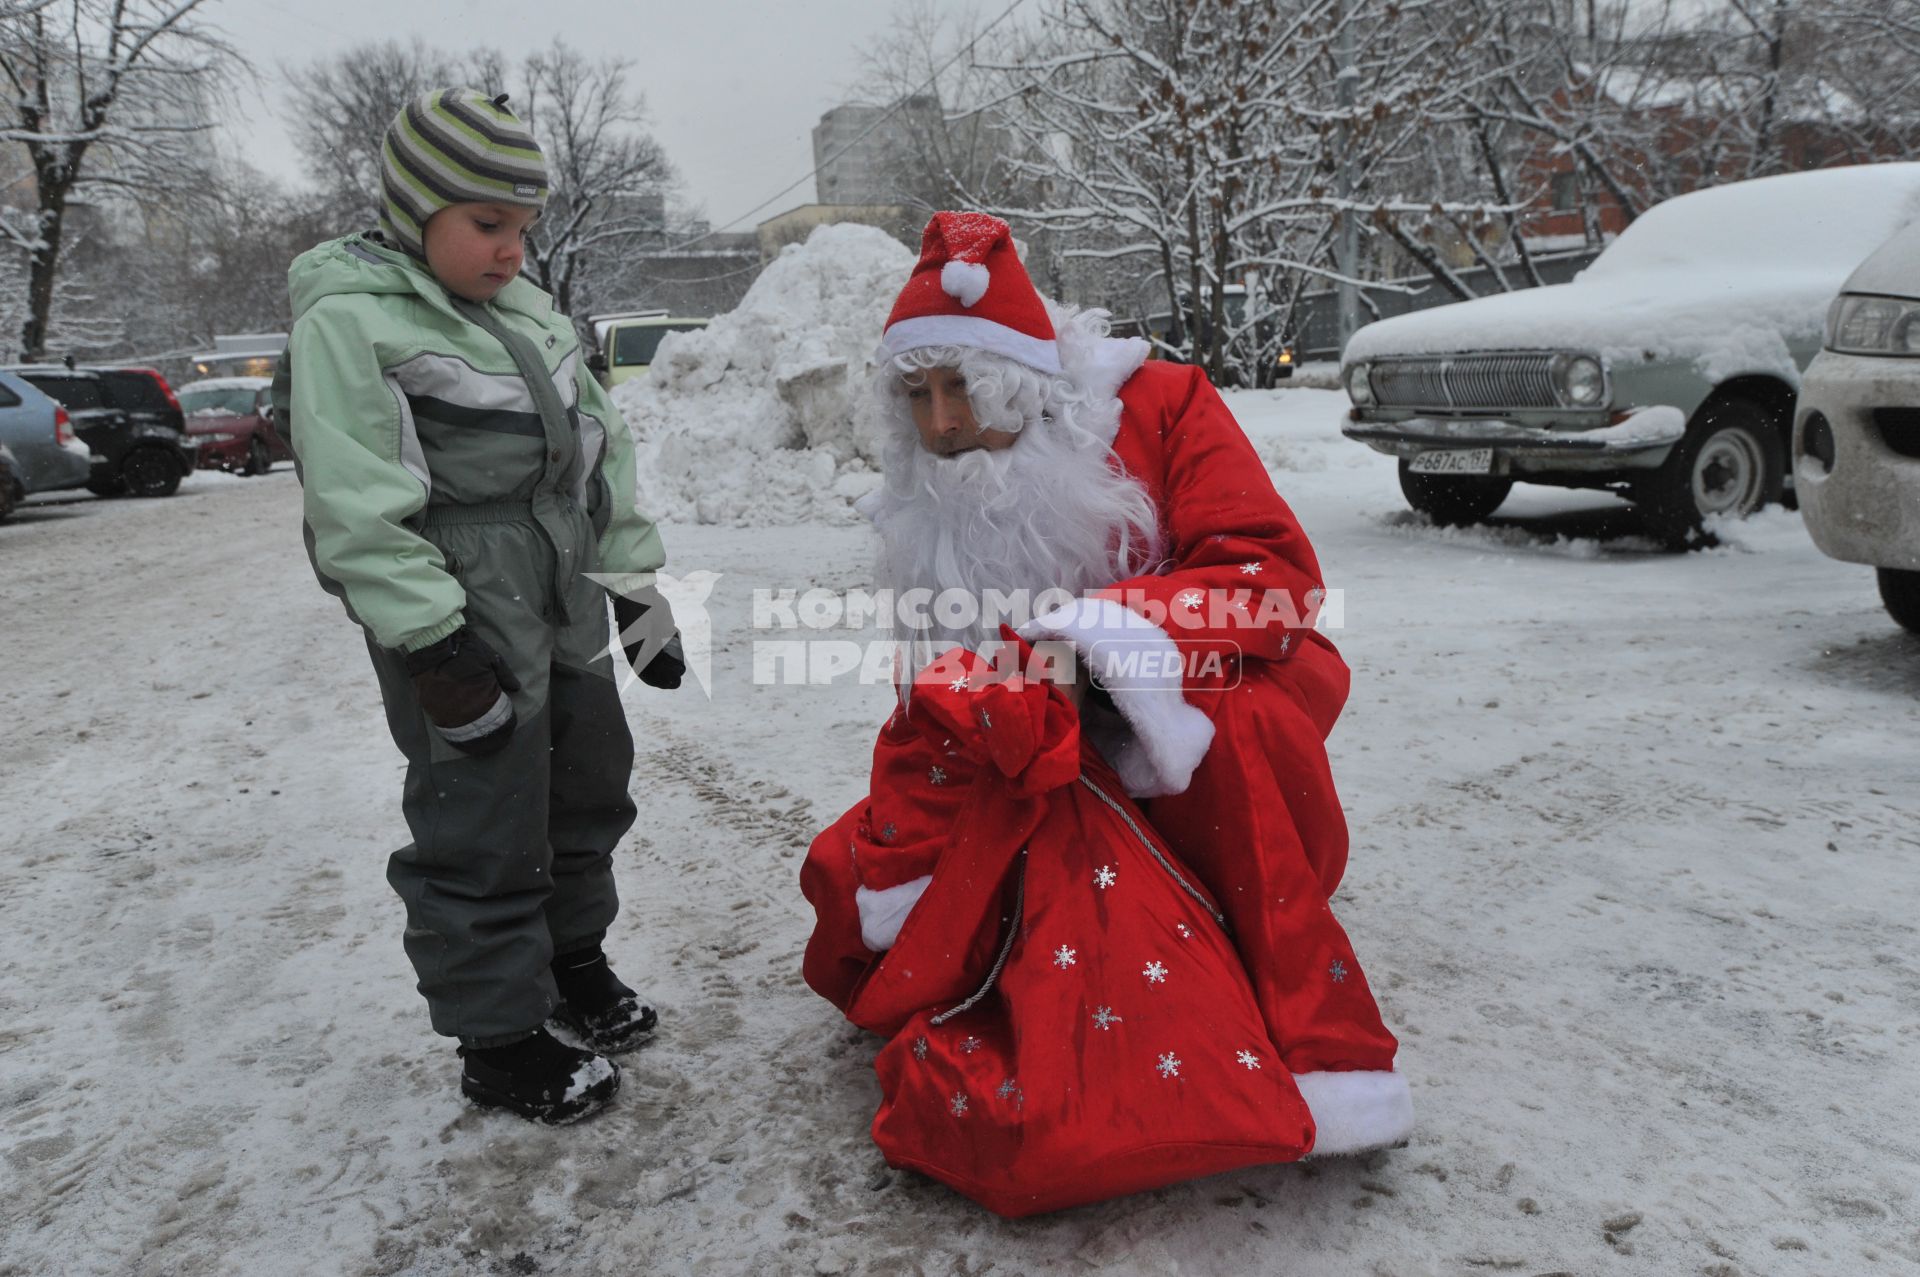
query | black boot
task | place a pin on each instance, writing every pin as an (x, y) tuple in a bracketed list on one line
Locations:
[(596, 1007), (540, 1078)]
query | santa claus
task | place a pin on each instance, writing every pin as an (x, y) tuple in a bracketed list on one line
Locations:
[(1029, 452)]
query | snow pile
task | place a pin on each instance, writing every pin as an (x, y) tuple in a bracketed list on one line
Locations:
[(759, 418)]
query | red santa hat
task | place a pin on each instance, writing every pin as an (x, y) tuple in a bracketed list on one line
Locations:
[(969, 289)]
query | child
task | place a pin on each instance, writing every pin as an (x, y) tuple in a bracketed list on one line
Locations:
[(462, 475)]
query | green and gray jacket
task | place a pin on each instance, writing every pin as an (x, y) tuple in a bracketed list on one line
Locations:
[(399, 396)]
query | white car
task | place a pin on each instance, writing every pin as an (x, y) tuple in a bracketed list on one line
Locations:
[(1666, 373), (1856, 442)]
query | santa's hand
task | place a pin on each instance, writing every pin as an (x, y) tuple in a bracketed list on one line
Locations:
[(650, 639)]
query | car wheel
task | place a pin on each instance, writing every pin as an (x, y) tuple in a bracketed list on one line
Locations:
[(259, 460), (150, 472), (1900, 591), (10, 493), (1453, 500), (1728, 465)]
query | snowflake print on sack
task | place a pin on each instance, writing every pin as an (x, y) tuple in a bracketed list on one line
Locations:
[(1249, 1059), (1104, 1017), (986, 720), (957, 1105), (1338, 971), (1185, 933), (1250, 569), (1063, 957), (1192, 600), (936, 775), (1010, 1090), (1105, 877), (1286, 641), (919, 1048), (958, 685), (887, 834), (1169, 1065), (1156, 972)]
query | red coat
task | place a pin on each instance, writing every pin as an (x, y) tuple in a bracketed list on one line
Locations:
[(1225, 694)]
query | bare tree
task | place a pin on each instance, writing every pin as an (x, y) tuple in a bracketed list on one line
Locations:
[(928, 65), (338, 109), (1216, 142), (106, 95), (610, 179)]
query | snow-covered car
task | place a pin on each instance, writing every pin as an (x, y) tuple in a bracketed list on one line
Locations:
[(39, 451), (231, 423), (1666, 372), (1857, 437)]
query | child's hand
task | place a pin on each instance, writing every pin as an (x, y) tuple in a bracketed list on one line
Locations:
[(462, 685), (650, 639)]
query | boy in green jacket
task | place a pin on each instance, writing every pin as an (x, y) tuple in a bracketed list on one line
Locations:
[(463, 473)]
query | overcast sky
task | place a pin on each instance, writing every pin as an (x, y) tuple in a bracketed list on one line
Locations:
[(733, 88)]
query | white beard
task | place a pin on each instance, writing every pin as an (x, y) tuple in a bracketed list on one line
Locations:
[(1045, 514)]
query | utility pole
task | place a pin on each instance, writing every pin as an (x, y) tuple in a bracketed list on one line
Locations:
[(1347, 244)]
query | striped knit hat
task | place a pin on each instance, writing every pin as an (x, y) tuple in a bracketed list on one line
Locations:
[(454, 146)]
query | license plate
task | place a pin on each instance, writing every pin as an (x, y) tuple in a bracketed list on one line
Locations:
[(1453, 461)]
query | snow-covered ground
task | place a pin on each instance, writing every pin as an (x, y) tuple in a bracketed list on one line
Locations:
[(1635, 857)]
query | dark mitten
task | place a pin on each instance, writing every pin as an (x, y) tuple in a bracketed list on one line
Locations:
[(462, 685), (651, 640)]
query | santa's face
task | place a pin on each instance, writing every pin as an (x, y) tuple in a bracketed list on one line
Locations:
[(943, 415)]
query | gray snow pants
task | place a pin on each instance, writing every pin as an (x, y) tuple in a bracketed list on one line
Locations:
[(512, 854)]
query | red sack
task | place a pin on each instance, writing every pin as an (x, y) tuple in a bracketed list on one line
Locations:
[(1069, 1019)]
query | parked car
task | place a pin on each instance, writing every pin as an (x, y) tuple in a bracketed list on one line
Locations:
[(39, 451), (629, 342), (1857, 439), (231, 423), (137, 450), (1665, 372)]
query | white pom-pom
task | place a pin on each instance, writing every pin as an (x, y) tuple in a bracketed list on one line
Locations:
[(965, 282)]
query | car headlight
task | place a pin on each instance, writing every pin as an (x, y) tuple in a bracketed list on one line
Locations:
[(1359, 386), (1859, 325), (1583, 382)]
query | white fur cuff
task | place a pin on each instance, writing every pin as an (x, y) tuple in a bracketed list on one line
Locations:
[(884, 912), (1142, 670), (1356, 1111)]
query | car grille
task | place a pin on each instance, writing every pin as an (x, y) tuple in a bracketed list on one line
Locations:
[(1900, 427), (1466, 383)]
